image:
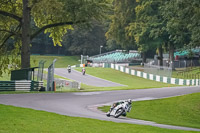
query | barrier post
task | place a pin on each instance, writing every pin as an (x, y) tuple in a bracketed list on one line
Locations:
[(54, 86)]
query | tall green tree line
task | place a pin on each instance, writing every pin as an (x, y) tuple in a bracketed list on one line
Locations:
[(156, 24)]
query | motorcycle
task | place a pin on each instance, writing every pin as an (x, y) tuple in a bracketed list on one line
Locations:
[(83, 71), (120, 109), (69, 70)]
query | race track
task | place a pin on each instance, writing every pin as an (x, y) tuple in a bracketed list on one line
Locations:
[(86, 79), (84, 104)]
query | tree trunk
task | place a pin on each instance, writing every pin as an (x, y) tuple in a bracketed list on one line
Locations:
[(160, 55), (171, 55), (143, 58), (25, 52)]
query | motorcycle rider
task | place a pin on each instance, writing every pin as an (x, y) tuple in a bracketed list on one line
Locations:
[(118, 103), (83, 70), (69, 68)]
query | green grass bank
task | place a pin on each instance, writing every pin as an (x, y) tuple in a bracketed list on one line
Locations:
[(131, 82), (62, 61), (181, 110), (22, 120)]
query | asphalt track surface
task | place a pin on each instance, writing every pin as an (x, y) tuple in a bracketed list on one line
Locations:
[(86, 79), (84, 104)]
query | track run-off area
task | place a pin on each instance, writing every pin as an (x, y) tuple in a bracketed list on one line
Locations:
[(84, 104)]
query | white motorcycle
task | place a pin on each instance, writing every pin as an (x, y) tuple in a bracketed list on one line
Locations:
[(120, 109)]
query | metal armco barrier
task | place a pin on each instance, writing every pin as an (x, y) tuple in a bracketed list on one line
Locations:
[(24, 85)]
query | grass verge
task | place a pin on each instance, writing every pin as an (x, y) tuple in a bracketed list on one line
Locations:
[(181, 110), (62, 61), (132, 82), (22, 120)]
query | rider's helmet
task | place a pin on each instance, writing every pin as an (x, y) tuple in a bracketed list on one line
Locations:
[(129, 101)]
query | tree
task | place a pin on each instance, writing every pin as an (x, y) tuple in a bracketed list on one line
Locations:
[(140, 31), (124, 13), (51, 16), (112, 45), (147, 28), (182, 18), (82, 41)]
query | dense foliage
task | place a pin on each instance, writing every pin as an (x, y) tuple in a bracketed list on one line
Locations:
[(123, 15), (156, 24), (22, 20), (85, 41)]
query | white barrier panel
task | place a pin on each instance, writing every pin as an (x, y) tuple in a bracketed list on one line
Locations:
[(138, 73), (73, 66), (95, 65), (112, 66), (157, 78), (121, 68), (127, 70), (116, 67), (145, 75), (173, 80), (187, 82), (165, 79), (151, 76), (197, 82), (193, 82), (132, 72), (181, 81)]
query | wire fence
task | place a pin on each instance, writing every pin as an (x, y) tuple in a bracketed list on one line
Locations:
[(189, 73), (158, 70), (65, 85)]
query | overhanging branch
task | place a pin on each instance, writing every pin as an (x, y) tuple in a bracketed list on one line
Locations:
[(50, 26), (10, 15), (11, 32), (10, 35), (4, 42)]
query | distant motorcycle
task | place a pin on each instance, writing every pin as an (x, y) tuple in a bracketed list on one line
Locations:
[(69, 70), (120, 109), (83, 71)]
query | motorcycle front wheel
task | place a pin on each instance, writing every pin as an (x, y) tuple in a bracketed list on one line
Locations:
[(119, 112)]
